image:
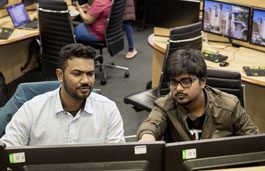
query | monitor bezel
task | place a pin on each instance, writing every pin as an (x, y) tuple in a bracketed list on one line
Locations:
[(213, 148), (52, 154), (251, 29), (240, 5)]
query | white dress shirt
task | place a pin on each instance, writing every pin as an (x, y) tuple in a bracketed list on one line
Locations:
[(42, 121)]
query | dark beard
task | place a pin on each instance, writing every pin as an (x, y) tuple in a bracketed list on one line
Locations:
[(73, 94)]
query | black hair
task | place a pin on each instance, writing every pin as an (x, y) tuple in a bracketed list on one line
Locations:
[(188, 61), (75, 50)]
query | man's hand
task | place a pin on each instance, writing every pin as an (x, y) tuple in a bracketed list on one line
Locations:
[(147, 137)]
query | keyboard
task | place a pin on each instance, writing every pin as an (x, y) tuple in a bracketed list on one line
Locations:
[(254, 70), (32, 25), (213, 56), (5, 32)]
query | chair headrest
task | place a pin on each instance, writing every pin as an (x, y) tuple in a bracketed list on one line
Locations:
[(185, 32)]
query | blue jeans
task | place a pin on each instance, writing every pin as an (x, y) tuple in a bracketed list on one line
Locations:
[(83, 34), (127, 27), (24, 92)]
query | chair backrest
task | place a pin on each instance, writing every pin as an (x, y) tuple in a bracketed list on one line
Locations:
[(188, 36), (56, 30), (114, 28), (227, 81)]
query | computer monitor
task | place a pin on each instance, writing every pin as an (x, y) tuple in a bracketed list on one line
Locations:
[(3, 3), (18, 14), (215, 153), (226, 19), (258, 27), (29, 2), (119, 155), (171, 13)]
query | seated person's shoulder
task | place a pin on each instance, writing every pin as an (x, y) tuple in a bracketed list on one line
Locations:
[(98, 98), (222, 99), (166, 102), (43, 98)]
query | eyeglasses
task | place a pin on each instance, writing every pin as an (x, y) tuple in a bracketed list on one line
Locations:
[(184, 82)]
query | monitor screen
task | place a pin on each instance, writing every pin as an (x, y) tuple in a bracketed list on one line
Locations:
[(216, 153), (258, 27), (171, 13), (141, 165), (226, 19), (3, 3), (123, 155)]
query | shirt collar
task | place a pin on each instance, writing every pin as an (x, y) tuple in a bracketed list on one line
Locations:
[(58, 103), (88, 109)]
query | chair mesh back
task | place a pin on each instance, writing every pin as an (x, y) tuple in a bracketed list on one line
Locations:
[(227, 81), (56, 30), (184, 37), (114, 27)]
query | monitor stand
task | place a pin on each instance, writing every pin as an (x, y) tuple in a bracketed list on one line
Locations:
[(205, 38)]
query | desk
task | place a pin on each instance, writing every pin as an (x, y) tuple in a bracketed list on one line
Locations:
[(237, 57), (14, 52)]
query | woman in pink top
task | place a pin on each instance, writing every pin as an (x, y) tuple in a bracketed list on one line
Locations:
[(95, 19)]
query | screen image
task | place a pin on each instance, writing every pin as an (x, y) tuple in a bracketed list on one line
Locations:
[(258, 27), (225, 19)]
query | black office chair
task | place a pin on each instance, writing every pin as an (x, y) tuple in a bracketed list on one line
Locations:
[(227, 81), (113, 38), (56, 31), (189, 36)]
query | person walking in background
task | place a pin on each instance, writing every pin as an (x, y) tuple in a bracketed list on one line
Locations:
[(129, 15)]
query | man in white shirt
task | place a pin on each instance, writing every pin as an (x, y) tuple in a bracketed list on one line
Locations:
[(71, 114)]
